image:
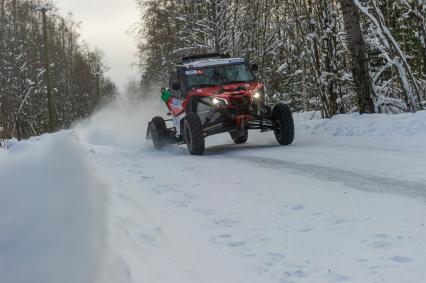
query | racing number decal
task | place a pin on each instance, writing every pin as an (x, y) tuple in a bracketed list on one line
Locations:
[(177, 103)]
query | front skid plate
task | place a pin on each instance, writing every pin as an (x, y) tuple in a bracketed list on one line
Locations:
[(263, 125), (256, 122)]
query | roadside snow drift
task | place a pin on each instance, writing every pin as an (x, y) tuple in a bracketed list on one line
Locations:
[(52, 212), (407, 126)]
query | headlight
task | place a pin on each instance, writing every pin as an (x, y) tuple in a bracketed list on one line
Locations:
[(216, 101), (258, 94)]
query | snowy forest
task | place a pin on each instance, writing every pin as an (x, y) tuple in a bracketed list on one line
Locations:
[(310, 52), (307, 50), (77, 81)]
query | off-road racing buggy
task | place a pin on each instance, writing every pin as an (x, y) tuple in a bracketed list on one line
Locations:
[(211, 94)]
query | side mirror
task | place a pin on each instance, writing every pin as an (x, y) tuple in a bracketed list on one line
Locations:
[(176, 86), (255, 67)]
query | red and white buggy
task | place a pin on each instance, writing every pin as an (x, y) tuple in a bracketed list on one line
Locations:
[(212, 94)]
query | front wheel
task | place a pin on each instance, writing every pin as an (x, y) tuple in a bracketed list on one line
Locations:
[(283, 124), (193, 134)]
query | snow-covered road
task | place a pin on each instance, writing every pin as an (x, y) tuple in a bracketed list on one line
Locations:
[(337, 206), (345, 203)]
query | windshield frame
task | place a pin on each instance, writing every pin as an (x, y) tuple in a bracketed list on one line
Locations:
[(220, 84)]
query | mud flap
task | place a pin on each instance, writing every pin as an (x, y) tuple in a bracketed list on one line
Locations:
[(148, 132)]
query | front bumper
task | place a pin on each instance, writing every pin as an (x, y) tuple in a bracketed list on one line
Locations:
[(222, 120)]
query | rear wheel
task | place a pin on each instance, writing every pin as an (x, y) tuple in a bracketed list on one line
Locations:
[(283, 124), (193, 134), (240, 136), (158, 132)]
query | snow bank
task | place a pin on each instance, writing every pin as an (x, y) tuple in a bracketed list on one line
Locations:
[(372, 125), (52, 212), (307, 116), (122, 123)]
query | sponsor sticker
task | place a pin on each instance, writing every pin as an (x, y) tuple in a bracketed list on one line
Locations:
[(194, 72), (177, 103)]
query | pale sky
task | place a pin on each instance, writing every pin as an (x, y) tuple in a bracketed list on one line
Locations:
[(105, 24)]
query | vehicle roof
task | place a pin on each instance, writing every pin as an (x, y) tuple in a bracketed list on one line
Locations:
[(211, 62)]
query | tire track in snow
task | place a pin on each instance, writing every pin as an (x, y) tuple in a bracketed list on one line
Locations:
[(356, 180)]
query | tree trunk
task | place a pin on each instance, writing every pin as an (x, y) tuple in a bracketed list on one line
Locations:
[(362, 79)]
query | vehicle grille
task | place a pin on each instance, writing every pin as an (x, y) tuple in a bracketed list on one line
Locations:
[(241, 104)]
